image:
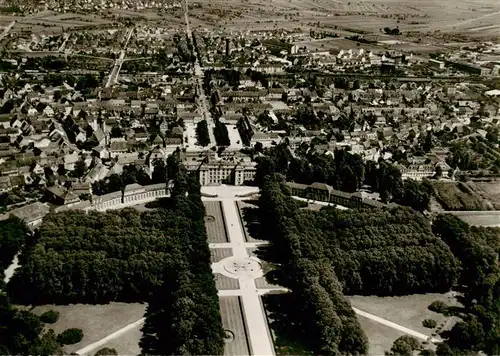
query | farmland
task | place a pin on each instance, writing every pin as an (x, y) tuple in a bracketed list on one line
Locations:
[(471, 17)]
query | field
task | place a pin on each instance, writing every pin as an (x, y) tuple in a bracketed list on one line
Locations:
[(234, 324), (126, 344), (459, 196), (214, 223), (225, 283), (490, 191), (476, 18), (480, 218), (218, 254), (97, 322), (380, 337), (408, 311), (51, 22), (469, 17)]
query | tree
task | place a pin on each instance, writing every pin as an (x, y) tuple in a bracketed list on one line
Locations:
[(404, 346), (48, 345), (493, 134), (202, 133), (467, 335), (438, 306), (61, 170), (429, 323), (106, 352), (221, 134), (49, 317), (439, 172), (477, 248), (70, 336), (444, 350), (80, 168), (414, 194), (86, 83), (13, 234), (159, 171), (116, 132), (160, 257)]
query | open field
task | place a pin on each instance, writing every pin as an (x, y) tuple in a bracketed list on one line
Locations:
[(480, 218), (126, 344), (380, 337), (408, 311), (234, 324), (51, 22), (420, 20), (459, 196), (469, 17), (489, 191), (214, 223), (97, 321)]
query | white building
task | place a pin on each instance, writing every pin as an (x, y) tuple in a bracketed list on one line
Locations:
[(217, 172)]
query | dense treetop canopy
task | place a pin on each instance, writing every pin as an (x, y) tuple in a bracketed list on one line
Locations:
[(160, 257)]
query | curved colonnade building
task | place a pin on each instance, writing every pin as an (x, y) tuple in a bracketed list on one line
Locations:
[(133, 194)]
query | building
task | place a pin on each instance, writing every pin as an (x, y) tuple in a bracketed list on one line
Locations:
[(61, 196), (31, 214), (224, 171), (417, 171), (133, 194), (324, 192), (434, 63), (470, 68)]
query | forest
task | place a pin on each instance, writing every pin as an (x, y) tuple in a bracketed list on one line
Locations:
[(22, 332), (160, 257), (347, 172), (372, 251), (477, 249), (183, 317), (118, 255), (13, 233), (321, 318), (384, 252)]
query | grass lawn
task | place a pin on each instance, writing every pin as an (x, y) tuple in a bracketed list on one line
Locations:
[(96, 321)]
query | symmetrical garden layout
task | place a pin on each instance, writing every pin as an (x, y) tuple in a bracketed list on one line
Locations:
[(239, 279)]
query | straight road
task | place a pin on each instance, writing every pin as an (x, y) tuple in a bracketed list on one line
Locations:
[(115, 72), (253, 310), (63, 45), (390, 324), (199, 75), (6, 30), (89, 348)]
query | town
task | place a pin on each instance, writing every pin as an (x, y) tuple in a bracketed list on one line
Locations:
[(115, 107)]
